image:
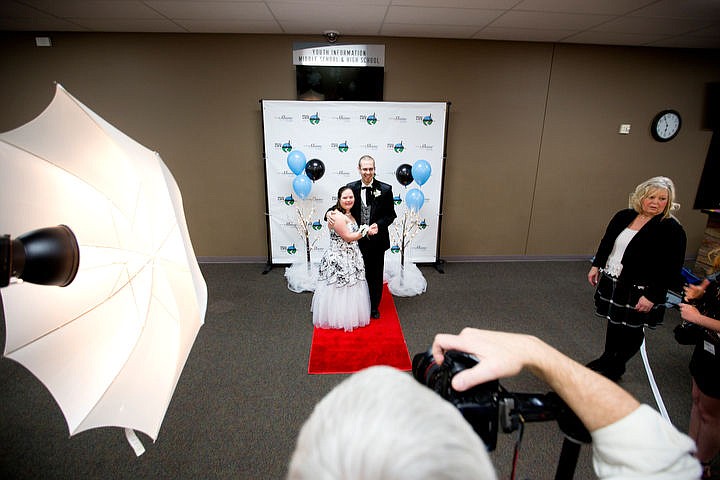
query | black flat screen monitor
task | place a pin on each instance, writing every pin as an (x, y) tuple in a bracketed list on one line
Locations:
[(340, 83)]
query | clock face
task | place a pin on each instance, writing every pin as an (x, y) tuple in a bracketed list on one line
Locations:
[(665, 125)]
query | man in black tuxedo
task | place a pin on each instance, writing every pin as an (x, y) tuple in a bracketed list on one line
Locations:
[(373, 207)]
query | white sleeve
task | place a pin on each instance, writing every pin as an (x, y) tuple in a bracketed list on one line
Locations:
[(643, 445)]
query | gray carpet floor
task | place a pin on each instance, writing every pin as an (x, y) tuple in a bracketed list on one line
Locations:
[(245, 391)]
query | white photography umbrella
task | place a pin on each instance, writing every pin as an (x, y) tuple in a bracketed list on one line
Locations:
[(110, 346)]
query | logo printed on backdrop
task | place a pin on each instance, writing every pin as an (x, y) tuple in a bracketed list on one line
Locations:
[(290, 201), (284, 118), (291, 249), (424, 146), (397, 147), (342, 118), (397, 200), (313, 119), (341, 147), (423, 225), (426, 120), (370, 119), (398, 118), (313, 146)]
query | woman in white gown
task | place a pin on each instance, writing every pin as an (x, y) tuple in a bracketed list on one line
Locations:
[(341, 298)]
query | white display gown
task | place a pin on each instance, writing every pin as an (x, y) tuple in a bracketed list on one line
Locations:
[(341, 298)]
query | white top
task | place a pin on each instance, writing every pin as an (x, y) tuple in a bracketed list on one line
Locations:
[(614, 262), (643, 445)]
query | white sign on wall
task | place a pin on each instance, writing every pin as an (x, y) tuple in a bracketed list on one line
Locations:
[(339, 55), (338, 134)]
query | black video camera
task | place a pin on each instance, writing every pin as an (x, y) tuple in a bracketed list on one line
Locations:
[(486, 405)]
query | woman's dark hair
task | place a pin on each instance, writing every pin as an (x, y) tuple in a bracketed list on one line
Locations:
[(339, 194)]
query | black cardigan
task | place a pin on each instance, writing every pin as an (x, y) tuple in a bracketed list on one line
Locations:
[(654, 257)]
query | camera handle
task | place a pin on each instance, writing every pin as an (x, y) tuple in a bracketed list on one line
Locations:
[(519, 408)]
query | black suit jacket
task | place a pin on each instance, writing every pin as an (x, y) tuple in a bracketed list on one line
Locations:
[(654, 257), (382, 212)]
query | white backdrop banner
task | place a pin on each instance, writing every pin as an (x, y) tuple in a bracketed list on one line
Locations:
[(338, 134)]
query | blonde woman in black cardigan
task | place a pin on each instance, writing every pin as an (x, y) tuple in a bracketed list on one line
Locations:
[(639, 258)]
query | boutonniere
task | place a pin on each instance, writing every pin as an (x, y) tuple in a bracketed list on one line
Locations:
[(376, 193)]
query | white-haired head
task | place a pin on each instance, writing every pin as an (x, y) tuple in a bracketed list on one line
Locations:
[(381, 424), (650, 186)]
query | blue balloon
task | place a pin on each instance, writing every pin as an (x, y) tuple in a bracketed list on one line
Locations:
[(414, 199), (302, 186), (421, 171), (296, 161)]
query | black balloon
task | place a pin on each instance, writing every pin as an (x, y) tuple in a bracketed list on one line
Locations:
[(404, 174), (315, 169)]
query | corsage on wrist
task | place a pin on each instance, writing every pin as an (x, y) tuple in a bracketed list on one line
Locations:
[(363, 230)]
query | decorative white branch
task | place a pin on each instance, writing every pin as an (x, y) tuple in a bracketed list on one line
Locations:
[(303, 226), (405, 228)]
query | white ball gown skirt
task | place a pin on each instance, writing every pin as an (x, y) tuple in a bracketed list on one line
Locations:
[(341, 298)]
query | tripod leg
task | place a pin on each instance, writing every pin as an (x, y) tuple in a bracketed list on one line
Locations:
[(568, 460)]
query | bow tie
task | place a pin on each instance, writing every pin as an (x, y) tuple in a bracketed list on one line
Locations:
[(367, 188)]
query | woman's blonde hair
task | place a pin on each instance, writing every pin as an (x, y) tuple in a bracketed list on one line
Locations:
[(714, 257), (647, 188)]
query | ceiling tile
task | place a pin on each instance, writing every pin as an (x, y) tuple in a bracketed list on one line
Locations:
[(328, 13), (211, 10), (39, 25), (130, 9), (596, 7), (230, 26), (611, 38), (523, 34), (433, 31), (644, 25), (549, 20), (441, 16), (682, 9), (344, 28), (478, 4), (158, 25)]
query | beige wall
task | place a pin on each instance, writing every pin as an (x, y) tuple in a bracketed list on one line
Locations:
[(535, 165)]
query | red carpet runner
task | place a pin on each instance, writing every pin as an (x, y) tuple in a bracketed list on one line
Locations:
[(380, 343)]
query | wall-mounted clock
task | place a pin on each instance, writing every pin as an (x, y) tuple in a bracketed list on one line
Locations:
[(666, 125)]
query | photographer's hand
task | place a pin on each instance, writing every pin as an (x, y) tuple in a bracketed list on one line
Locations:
[(496, 352), (597, 401)]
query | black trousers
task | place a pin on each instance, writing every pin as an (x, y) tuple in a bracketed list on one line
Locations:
[(374, 266), (621, 344)]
